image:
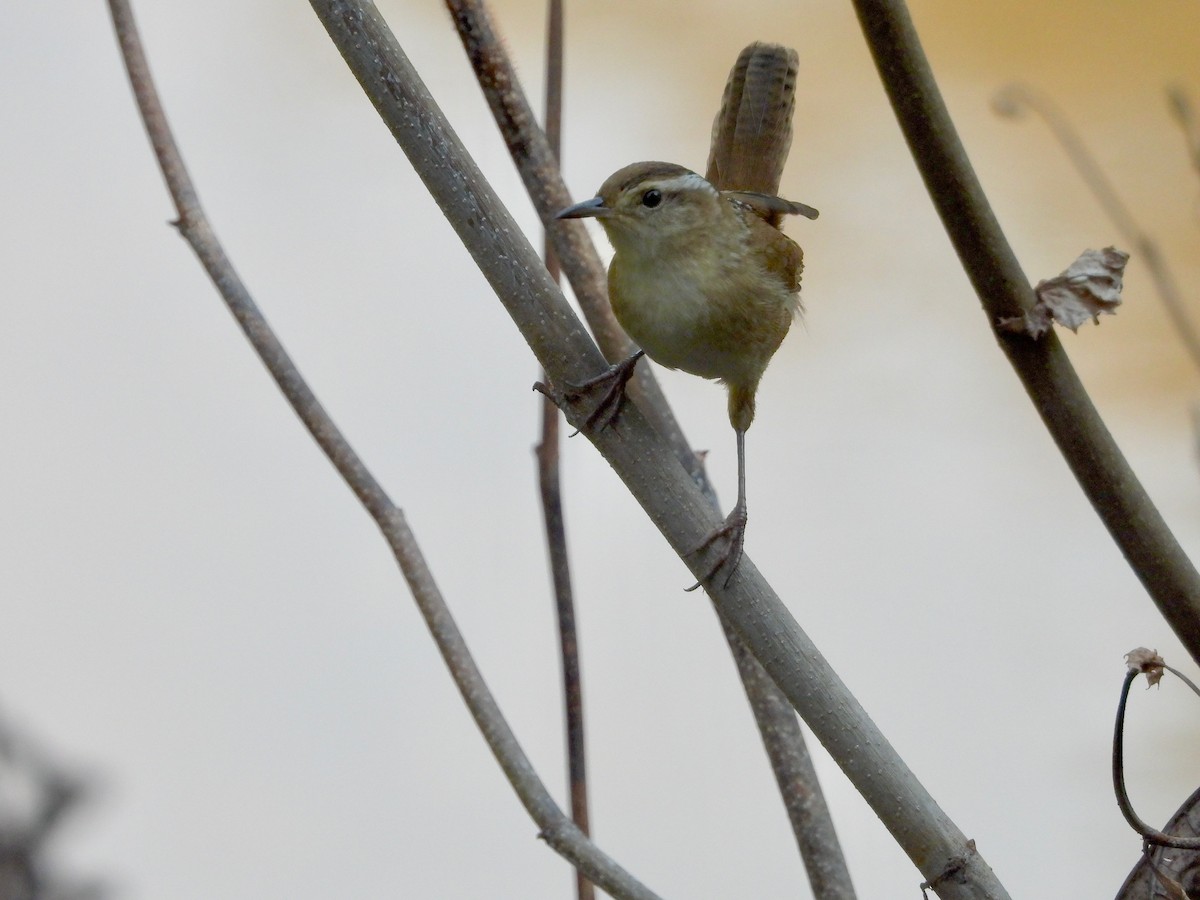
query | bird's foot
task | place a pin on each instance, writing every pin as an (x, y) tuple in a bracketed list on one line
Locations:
[(732, 534), (609, 385)]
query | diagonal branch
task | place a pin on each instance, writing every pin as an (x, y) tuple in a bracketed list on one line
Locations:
[(556, 828), (1049, 379), (643, 460)]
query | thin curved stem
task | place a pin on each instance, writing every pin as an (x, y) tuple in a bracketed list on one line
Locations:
[(1191, 685), (1051, 382), (1148, 832), (550, 483), (556, 829)]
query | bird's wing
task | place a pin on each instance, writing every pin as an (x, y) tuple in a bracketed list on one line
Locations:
[(779, 252), (772, 208)]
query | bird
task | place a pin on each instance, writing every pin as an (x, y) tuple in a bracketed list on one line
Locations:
[(702, 278)]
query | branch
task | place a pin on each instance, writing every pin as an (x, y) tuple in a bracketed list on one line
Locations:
[(550, 484), (1049, 379), (556, 829), (643, 459)]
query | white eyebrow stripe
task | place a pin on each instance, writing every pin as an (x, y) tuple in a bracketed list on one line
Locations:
[(688, 181)]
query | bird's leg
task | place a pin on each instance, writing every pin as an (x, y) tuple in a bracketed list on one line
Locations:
[(609, 384), (732, 532)]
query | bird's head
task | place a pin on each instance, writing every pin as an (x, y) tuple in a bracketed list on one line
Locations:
[(648, 204)]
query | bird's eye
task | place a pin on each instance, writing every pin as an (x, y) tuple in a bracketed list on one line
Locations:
[(651, 199)]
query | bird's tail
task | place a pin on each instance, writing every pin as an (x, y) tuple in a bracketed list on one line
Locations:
[(753, 130)]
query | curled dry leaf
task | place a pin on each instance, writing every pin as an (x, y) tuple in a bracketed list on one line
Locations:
[(1167, 872), (1148, 662), (1090, 286)]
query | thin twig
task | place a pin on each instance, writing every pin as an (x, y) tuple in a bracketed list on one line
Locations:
[(536, 158), (1051, 382), (560, 571), (641, 457), (1192, 686), (1010, 101), (1148, 832), (551, 491), (556, 829)]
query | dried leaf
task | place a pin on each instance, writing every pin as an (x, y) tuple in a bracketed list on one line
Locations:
[(1148, 662), (1165, 872), (1090, 286), (1172, 888)]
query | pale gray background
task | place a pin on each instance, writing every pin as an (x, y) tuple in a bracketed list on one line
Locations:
[(195, 610)]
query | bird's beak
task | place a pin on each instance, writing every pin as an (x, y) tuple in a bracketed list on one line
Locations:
[(585, 210)]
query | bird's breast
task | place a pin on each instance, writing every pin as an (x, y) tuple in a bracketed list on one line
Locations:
[(708, 313)]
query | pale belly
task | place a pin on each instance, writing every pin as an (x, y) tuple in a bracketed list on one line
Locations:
[(680, 326)]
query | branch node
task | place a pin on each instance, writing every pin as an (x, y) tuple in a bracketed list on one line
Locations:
[(1089, 287), (955, 868)]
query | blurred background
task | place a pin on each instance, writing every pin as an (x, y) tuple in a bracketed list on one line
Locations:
[(200, 622)]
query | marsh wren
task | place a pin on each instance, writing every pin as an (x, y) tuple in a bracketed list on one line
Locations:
[(702, 279)]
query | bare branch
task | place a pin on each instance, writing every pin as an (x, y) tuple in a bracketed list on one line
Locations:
[(551, 490), (640, 456), (1050, 380), (556, 829)]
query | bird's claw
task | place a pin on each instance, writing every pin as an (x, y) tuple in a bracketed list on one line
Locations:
[(611, 382), (732, 531)]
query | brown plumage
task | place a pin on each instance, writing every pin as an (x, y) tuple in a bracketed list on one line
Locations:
[(703, 279), (752, 132)]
